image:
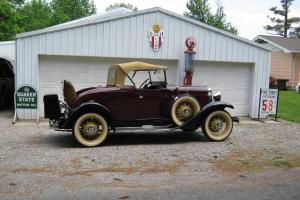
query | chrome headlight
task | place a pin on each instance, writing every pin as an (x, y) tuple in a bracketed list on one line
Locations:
[(217, 96), (209, 94)]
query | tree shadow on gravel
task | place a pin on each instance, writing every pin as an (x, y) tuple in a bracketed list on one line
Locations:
[(129, 138)]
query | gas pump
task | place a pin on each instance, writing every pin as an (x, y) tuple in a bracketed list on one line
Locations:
[(190, 43)]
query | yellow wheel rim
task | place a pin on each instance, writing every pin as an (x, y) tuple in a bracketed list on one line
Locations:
[(90, 129), (218, 125), (184, 109)]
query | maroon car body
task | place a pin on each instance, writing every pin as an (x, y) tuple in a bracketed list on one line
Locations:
[(129, 105)]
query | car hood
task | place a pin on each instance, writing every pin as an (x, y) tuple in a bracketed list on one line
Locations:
[(187, 88)]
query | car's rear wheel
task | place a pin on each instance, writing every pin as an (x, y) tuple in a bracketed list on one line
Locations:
[(90, 129), (183, 109), (217, 125)]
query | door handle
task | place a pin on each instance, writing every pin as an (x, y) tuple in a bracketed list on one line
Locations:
[(141, 97)]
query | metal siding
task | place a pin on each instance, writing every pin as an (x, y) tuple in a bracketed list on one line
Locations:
[(113, 39), (64, 42), (177, 50), (128, 37), (86, 41), (140, 37), (146, 40), (99, 40), (132, 36), (43, 44), (72, 41), (218, 47), (78, 41), (200, 44), (212, 51), (120, 38), (49, 43), (159, 20), (57, 43)]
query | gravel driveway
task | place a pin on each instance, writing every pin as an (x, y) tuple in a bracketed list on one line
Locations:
[(258, 161)]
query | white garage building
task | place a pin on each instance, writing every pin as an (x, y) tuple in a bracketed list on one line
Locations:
[(81, 51)]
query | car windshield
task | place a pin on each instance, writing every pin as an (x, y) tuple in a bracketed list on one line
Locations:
[(140, 78)]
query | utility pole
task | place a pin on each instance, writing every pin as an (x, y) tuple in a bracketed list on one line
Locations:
[(286, 18)]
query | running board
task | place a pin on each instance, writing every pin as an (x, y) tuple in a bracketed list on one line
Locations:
[(235, 119)]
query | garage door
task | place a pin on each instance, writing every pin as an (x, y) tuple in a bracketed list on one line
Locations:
[(82, 72), (232, 80)]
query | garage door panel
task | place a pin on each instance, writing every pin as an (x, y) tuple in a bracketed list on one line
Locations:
[(232, 80)]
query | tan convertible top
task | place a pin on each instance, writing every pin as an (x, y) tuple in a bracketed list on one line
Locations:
[(117, 73)]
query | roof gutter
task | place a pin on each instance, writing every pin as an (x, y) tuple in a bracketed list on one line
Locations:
[(274, 44)]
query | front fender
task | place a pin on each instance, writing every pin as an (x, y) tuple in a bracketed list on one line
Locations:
[(85, 108), (199, 117)]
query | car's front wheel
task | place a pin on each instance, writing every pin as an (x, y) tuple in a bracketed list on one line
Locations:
[(217, 125), (90, 129), (183, 109)]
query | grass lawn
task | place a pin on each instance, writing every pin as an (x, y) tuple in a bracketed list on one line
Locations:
[(289, 106)]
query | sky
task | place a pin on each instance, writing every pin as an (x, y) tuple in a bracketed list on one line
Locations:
[(248, 16)]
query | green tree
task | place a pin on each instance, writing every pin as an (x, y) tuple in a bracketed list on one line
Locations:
[(282, 25), (67, 10), (34, 15), (8, 19), (200, 10), (17, 3), (122, 5)]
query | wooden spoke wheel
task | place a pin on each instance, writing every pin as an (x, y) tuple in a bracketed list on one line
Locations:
[(90, 129), (184, 109), (217, 125)]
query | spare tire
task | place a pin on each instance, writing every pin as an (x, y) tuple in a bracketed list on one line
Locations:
[(184, 108)]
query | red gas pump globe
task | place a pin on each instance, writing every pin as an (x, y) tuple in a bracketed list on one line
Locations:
[(190, 43)]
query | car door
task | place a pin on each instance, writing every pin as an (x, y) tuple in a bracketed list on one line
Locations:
[(123, 104), (151, 103)]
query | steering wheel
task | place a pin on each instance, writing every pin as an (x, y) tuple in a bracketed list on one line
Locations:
[(145, 83)]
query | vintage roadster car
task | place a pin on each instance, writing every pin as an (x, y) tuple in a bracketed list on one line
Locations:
[(137, 94)]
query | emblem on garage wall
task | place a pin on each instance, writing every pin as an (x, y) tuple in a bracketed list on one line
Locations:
[(156, 37)]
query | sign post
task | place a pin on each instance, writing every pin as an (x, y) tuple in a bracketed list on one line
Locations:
[(25, 98), (268, 103)]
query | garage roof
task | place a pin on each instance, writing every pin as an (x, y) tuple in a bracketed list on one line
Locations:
[(79, 22), (287, 44), (125, 13)]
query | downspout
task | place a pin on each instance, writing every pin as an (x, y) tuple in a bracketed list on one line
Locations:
[(293, 68)]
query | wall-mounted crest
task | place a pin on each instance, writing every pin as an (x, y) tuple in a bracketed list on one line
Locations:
[(156, 36)]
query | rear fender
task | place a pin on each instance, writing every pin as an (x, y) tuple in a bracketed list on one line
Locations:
[(86, 108), (199, 118)]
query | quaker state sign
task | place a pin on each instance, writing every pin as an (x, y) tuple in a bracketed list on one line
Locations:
[(26, 97)]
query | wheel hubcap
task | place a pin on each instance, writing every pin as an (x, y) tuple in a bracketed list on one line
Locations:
[(217, 125), (184, 112), (90, 129)]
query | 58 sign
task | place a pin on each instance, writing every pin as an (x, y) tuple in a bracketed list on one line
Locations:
[(268, 101), (267, 105)]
